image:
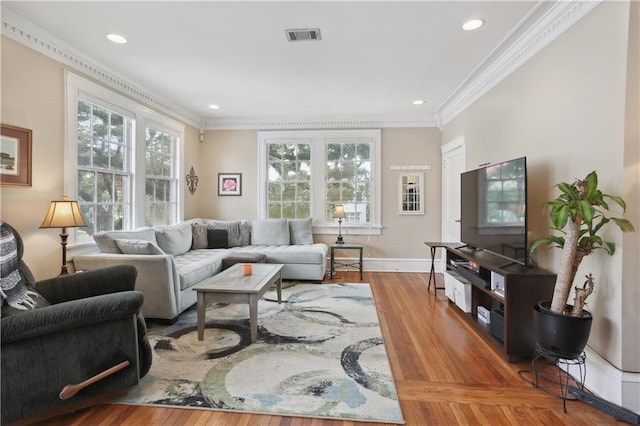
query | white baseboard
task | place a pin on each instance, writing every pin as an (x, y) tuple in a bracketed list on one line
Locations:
[(611, 384)]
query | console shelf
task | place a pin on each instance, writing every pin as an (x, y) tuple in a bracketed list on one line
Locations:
[(523, 288)]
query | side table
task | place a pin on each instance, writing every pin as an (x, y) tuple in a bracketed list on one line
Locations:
[(433, 245), (357, 264)]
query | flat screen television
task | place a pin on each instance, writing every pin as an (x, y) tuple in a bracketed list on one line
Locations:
[(494, 209)]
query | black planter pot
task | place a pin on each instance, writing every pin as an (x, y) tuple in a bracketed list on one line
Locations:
[(563, 335)]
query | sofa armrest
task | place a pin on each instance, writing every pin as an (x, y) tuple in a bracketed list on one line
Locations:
[(88, 284), (35, 369), (157, 279), (69, 315)]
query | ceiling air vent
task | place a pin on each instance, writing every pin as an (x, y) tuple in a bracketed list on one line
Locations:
[(303, 34)]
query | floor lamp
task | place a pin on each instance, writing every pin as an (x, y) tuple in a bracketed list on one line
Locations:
[(63, 214), (339, 214)]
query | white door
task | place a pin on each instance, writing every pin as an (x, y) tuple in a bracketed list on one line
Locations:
[(454, 162)]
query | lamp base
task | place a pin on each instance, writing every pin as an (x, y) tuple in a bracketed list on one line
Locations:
[(339, 240)]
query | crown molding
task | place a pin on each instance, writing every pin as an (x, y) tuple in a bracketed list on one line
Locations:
[(289, 123), (27, 33), (549, 21), (517, 49)]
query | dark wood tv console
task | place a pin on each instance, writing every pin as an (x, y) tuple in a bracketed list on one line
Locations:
[(523, 287)]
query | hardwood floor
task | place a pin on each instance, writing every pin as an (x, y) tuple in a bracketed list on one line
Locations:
[(445, 373)]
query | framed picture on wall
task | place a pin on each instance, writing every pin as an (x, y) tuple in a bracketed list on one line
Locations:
[(15, 156), (229, 183)]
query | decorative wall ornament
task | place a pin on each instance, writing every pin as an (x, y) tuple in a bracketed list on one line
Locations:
[(192, 181)]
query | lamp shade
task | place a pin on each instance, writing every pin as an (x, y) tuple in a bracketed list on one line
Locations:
[(339, 213), (63, 214)]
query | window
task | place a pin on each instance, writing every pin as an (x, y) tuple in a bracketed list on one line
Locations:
[(160, 177), (103, 147), (122, 160), (289, 180), (307, 173)]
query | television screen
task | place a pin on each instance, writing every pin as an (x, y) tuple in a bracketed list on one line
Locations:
[(494, 209)]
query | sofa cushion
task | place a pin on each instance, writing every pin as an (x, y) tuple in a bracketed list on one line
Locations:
[(300, 231), (128, 246), (106, 239), (196, 265), (199, 237), (174, 239), (232, 227), (217, 239), (314, 254), (270, 232)]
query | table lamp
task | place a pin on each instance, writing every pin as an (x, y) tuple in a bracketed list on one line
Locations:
[(339, 213), (63, 214)]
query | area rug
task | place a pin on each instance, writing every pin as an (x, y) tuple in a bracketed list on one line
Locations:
[(319, 353)]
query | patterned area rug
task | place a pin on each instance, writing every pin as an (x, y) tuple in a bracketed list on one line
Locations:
[(319, 354)]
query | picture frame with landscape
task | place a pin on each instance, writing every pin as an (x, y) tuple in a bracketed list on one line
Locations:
[(15, 156)]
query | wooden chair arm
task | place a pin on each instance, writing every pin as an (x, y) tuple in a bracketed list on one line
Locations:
[(69, 391)]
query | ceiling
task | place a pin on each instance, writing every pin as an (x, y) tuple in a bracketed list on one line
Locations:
[(373, 59)]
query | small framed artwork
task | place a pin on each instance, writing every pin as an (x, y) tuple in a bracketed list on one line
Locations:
[(15, 156), (229, 183)]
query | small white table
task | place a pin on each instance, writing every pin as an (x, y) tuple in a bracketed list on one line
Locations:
[(231, 286)]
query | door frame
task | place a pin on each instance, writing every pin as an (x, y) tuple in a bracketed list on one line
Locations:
[(454, 146)]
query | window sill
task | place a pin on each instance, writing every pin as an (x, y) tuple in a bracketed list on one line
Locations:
[(348, 230)]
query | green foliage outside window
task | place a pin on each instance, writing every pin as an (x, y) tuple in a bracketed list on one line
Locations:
[(102, 168)]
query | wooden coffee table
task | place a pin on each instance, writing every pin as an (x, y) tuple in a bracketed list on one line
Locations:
[(231, 286)]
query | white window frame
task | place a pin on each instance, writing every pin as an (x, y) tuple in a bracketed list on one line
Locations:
[(78, 88), (318, 139)]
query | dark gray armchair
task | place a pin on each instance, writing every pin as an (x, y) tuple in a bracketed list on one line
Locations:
[(91, 338)]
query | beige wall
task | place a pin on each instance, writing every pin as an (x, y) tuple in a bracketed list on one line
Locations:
[(565, 110), (33, 98), (402, 236)]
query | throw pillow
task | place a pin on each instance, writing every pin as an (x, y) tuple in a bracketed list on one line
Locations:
[(300, 230), (174, 239), (218, 238), (106, 239), (270, 232), (138, 247), (199, 237), (232, 227)]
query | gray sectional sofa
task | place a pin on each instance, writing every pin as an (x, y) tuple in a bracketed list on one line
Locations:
[(172, 259)]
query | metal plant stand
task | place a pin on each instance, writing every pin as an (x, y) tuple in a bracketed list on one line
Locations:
[(563, 368)]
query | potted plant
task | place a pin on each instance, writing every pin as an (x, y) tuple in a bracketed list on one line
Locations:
[(579, 214)]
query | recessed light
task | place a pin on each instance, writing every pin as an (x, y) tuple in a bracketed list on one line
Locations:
[(117, 38), (418, 102), (214, 106), (472, 24)]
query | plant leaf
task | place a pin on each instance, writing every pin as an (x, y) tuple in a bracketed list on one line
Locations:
[(570, 190), (623, 224), (618, 200), (560, 216)]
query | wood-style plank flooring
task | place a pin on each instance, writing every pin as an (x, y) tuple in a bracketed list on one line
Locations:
[(445, 373)]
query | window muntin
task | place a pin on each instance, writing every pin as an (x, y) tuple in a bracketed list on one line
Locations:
[(103, 168), (348, 180), (160, 177), (288, 180)]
